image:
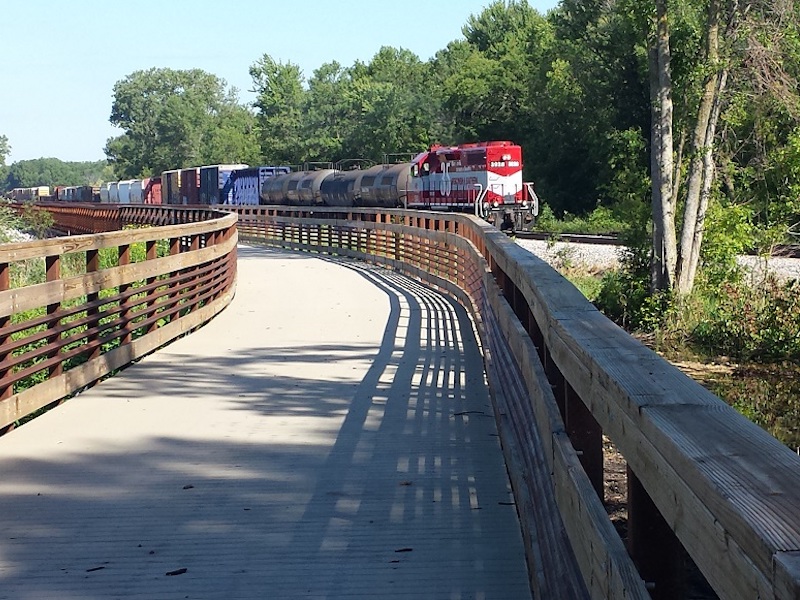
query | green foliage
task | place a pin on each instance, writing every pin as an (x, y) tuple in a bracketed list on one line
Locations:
[(729, 233), (547, 221), (32, 219), (393, 105), (52, 172), (590, 105), (9, 222), (173, 119), (36, 220), (601, 220), (625, 298), (588, 285), (365, 111), (279, 102), (745, 322), (5, 150)]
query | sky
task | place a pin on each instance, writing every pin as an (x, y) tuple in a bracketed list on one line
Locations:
[(60, 59)]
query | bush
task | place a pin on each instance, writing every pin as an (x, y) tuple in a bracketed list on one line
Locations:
[(9, 223), (625, 298), (752, 323), (600, 221)]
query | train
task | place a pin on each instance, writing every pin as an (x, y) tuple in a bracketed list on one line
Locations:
[(480, 177), (30, 194)]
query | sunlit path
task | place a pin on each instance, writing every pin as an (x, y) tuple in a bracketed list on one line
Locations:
[(329, 435)]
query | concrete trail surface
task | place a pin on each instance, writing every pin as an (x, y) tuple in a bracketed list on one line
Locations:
[(329, 435)]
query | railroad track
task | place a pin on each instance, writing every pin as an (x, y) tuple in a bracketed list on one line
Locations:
[(780, 250), (575, 238)]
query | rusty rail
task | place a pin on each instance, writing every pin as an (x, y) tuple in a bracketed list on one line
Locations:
[(702, 479), (102, 300)]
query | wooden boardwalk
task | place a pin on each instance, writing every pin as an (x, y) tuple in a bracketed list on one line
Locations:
[(329, 435)]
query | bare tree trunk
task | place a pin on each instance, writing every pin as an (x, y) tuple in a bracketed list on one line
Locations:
[(709, 171), (701, 168), (677, 175), (664, 258)]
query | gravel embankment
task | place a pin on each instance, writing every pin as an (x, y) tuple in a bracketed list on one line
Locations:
[(601, 258), (562, 254)]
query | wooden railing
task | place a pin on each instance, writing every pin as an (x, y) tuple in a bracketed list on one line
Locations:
[(102, 300), (701, 478)]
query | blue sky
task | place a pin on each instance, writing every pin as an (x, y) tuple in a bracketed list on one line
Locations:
[(61, 58)]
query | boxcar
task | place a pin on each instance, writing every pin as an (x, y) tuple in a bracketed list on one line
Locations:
[(215, 183)]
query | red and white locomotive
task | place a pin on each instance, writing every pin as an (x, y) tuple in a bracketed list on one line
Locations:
[(485, 177)]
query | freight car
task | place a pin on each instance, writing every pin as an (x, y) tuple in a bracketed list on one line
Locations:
[(30, 194), (76, 193)]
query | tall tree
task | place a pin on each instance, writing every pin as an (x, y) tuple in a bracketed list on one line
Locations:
[(167, 117), (589, 105), (392, 105), (701, 166), (279, 105), (664, 240), (328, 117), (234, 139)]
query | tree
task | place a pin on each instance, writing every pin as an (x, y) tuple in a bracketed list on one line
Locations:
[(664, 240), (53, 172), (328, 117), (234, 139), (391, 106), (366, 111), (279, 107), (589, 109), (169, 119), (5, 150), (490, 92), (731, 52)]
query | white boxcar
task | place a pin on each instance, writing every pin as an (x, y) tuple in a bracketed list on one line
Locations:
[(124, 191), (136, 193)]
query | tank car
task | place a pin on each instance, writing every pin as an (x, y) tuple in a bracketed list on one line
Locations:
[(339, 189), (308, 188), (384, 186)]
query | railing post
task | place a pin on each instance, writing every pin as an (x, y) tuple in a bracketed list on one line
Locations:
[(92, 266), (6, 390), (174, 286), (195, 245), (124, 253), (653, 546), (53, 273), (151, 254), (586, 437)]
